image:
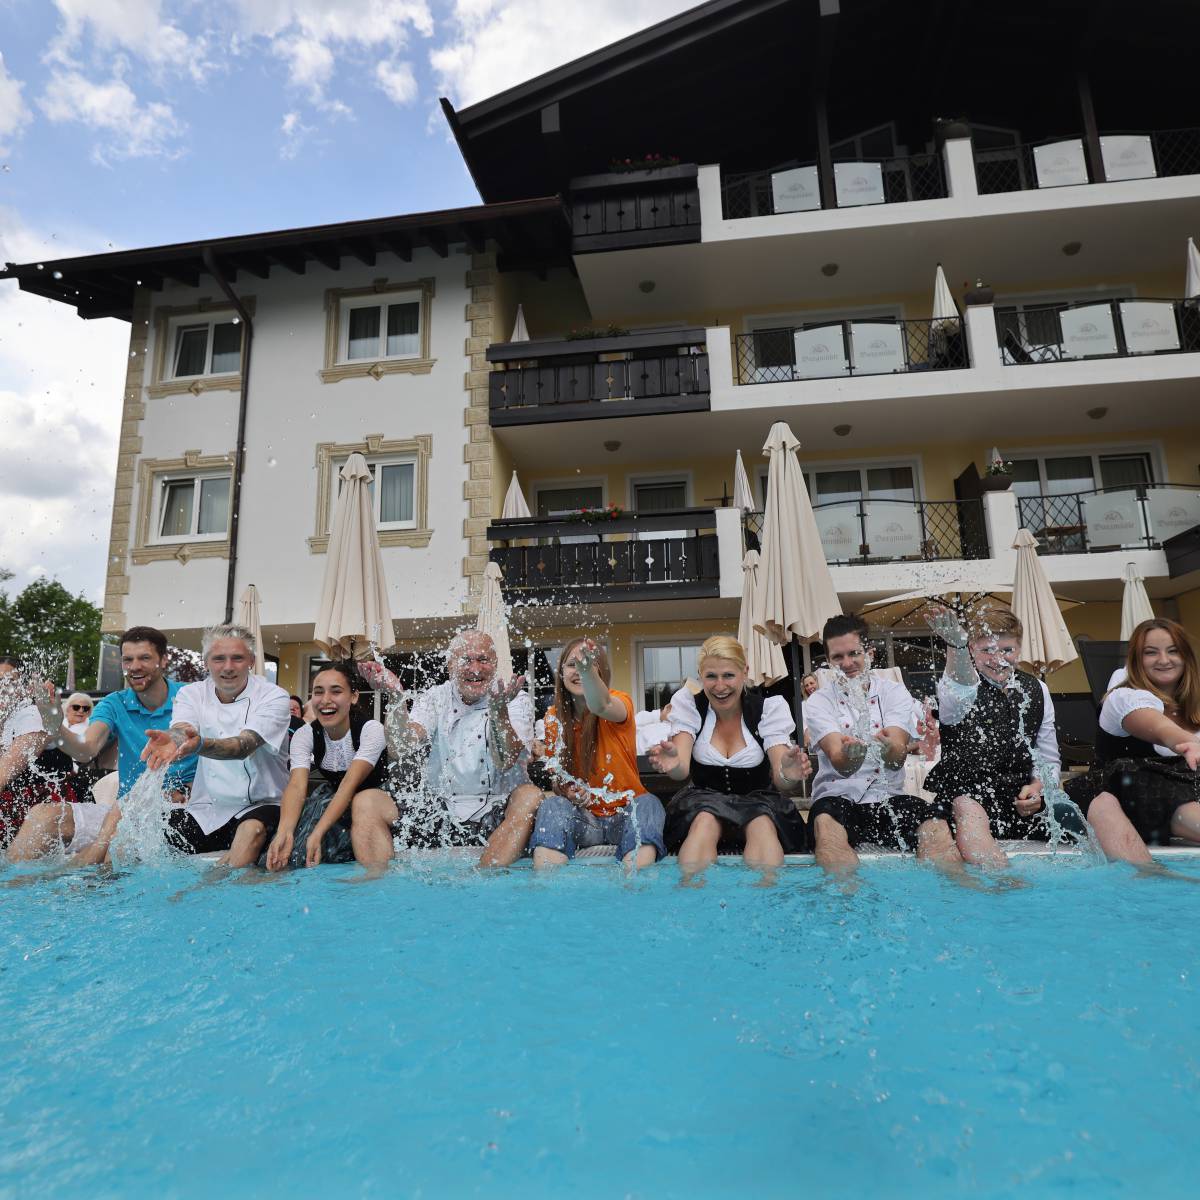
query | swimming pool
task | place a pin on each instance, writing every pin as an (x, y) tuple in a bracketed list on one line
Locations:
[(438, 1033)]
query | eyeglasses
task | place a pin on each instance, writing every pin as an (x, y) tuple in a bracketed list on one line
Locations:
[(81, 708)]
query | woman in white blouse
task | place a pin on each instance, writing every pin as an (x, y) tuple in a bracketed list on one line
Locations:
[(734, 747), (1145, 787)]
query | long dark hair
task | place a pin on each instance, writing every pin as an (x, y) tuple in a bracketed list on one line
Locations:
[(569, 719), (339, 667)]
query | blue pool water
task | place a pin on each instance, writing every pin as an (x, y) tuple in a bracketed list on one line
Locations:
[(438, 1033)]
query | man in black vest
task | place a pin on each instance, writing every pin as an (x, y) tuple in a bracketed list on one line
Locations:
[(999, 744)]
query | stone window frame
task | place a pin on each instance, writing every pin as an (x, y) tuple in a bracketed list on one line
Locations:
[(150, 473), (375, 446), (333, 371), (164, 317)]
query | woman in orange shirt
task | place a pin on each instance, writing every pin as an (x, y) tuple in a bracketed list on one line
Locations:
[(591, 748)]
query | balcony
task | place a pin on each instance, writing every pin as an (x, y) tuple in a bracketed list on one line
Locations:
[(633, 209), (644, 556), (866, 532), (842, 348), (586, 379), (1123, 328), (1060, 162), (796, 187), (1132, 518)]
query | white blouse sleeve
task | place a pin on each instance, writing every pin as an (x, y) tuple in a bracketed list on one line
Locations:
[(300, 755), (685, 716), (372, 742), (1120, 703), (777, 723)]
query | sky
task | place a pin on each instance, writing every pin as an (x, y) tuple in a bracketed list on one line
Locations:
[(130, 123)]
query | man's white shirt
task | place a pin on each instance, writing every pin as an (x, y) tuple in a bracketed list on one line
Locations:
[(828, 711), (226, 788)]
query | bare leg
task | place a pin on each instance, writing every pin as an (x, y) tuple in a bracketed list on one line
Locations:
[(247, 845), (372, 814), (974, 836), (1186, 822), (763, 850), (506, 845), (47, 827), (97, 852), (832, 849), (1115, 832), (645, 856), (936, 844), (699, 849), (543, 856)]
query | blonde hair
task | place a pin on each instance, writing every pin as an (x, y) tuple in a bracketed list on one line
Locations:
[(722, 646), (993, 623)]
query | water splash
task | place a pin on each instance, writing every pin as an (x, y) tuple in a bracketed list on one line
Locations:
[(144, 809)]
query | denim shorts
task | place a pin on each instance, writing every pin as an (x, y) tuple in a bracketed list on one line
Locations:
[(562, 826)]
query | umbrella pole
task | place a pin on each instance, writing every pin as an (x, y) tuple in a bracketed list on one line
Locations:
[(797, 690)]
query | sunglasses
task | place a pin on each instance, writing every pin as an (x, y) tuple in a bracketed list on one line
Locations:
[(81, 708)]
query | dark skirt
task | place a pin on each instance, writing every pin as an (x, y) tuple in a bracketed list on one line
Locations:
[(335, 845), (1149, 791), (734, 813)]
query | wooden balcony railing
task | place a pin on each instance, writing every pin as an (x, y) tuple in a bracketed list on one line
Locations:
[(634, 375), (645, 556), (627, 210)]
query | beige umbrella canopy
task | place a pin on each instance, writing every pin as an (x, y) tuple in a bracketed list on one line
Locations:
[(743, 493), (763, 656), (250, 617), (796, 594), (907, 610), (945, 311), (354, 615), (1135, 604), (520, 331), (1191, 287), (493, 619), (1046, 645), (514, 501)]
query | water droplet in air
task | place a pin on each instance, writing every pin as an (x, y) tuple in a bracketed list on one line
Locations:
[(237, 320), (57, 274), (270, 462), (41, 267)]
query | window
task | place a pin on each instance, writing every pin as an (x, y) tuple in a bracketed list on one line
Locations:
[(212, 347), (389, 328), (860, 483), (399, 488), (392, 489), (664, 668), (660, 496), (197, 348), (192, 507), (182, 508), (1067, 475), (561, 501), (378, 330)]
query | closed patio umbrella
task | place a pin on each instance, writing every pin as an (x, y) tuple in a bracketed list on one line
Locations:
[(354, 613), (1135, 604), (70, 684), (763, 656), (493, 619), (743, 493), (796, 592), (1046, 645), (945, 311), (514, 501), (520, 331), (1191, 288), (250, 617)]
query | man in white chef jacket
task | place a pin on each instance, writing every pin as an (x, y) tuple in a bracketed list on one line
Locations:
[(237, 723)]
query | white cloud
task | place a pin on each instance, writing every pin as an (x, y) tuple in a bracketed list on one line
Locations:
[(13, 113), (295, 132), (136, 26), (61, 382), (130, 128), (493, 45), (397, 81)]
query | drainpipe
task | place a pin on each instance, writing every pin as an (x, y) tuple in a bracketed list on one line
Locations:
[(239, 453)]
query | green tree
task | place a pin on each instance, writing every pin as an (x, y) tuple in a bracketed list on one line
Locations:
[(45, 622)]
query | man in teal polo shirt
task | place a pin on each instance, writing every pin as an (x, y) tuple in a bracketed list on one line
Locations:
[(125, 717)]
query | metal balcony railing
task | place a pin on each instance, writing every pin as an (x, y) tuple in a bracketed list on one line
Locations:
[(658, 555), (795, 186), (833, 348), (875, 531), (1140, 517), (1083, 329), (1063, 160), (629, 375)]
